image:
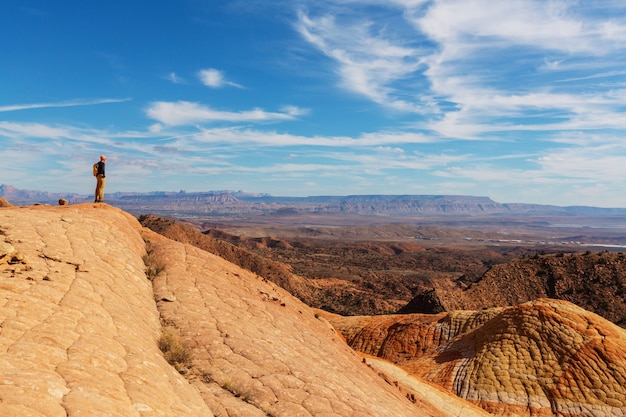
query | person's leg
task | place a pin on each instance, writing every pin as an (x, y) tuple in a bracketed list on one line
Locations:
[(104, 181), (100, 189)]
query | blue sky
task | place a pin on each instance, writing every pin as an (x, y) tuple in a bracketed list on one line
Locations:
[(518, 100)]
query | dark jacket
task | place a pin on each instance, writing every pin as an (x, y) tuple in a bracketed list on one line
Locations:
[(101, 169)]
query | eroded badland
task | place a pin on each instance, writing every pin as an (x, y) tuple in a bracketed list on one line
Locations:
[(101, 316)]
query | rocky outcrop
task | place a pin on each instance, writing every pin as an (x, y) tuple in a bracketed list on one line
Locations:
[(543, 358), (99, 316), (594, 281)]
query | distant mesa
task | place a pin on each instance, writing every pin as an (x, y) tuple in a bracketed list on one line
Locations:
[(239, 202)]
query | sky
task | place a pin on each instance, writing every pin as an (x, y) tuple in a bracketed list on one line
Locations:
[(521, 101)]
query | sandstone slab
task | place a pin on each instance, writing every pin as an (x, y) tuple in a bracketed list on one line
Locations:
[(78, 323)]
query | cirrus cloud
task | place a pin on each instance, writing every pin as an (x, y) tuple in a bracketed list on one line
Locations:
[(188, 113)]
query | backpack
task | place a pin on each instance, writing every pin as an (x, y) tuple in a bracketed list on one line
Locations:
[(95, 169)]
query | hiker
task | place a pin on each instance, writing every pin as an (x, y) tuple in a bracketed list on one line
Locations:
[(100, 179)]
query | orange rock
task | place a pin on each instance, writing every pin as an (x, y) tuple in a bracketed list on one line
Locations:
[(81, 332), (544, 357)]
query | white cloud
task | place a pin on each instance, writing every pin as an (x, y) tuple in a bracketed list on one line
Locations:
[(589, 164), (213, 78), (32, 130), (488, 61), (551, 65), (607, 74), (461, 26), (55, 139), (389, 149), (173, 77), (188, 113), (487, 111), (295, 111), (68, 103), (270, 138), (368, 62), (477, 66)]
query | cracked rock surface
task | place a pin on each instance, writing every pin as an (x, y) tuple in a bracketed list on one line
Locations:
[(83, 321), (542, 358), (259, 351), (78, 324)]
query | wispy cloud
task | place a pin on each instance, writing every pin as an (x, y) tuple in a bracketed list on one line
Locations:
[(367, 159), (68, 103), (608, 74), (213, 78), (32, 130), (175, 78), (236, 135), (478, 24), (368, 61), (188, 113), (472, 67), (476, 67)]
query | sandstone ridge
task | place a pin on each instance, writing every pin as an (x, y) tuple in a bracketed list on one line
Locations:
[(542, 358), (102, 317)]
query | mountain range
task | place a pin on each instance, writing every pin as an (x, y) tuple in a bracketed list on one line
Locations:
[(213, 203)]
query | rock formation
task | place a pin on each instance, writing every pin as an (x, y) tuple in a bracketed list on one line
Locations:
[(543, 358), (594, 281), (99, 316)]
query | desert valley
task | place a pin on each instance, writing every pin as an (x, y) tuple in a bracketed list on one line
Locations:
[(226, 304)]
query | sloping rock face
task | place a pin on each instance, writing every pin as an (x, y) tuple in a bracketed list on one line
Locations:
[(543, 358), (78, 323), (259, 351), (82, 332), (276, 272)]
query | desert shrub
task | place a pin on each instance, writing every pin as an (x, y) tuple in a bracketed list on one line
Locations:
[(176, 352), (153, 264)]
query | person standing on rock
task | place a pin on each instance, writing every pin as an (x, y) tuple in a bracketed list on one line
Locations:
[(100, 179)]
